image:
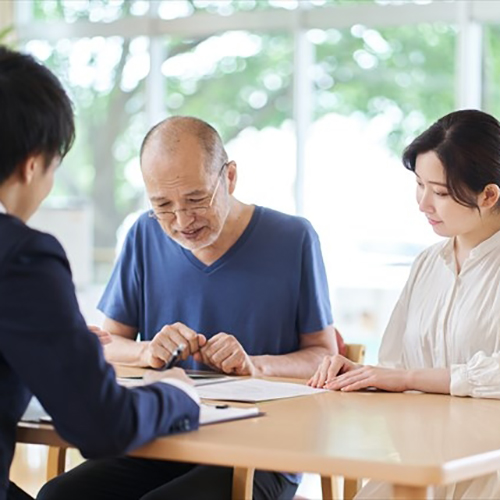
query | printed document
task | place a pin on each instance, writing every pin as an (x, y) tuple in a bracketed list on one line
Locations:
[(209, 413), (253, 390)]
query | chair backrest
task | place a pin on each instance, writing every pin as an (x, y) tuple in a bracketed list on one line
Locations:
[(355, 352)]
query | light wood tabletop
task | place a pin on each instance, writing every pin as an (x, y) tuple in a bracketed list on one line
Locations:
[(411, 440)]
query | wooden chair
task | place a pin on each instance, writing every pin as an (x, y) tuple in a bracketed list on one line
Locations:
[(56, 462), (356, 353)]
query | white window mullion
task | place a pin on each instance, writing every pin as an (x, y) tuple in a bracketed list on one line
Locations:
[(302, 105), (469, 58)]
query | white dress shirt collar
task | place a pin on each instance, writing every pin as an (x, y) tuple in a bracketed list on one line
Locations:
[(2, 209)]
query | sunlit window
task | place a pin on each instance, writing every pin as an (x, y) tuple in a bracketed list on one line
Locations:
[(374, 84)]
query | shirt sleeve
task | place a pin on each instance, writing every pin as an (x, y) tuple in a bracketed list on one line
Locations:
[(122, 297), (478, 378), (314, 311)]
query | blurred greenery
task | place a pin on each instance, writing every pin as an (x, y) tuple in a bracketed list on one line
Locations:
[(491, 64), (406, 71), (234, 80), (4, 33), (108, 10)]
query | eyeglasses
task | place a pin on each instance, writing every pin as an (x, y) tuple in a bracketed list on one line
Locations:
[(191, 211)]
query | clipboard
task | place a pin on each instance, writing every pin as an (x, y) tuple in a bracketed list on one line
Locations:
[(217, 413)]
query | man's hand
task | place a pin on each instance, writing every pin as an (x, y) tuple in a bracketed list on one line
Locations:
[(176, 373), (330, 367), (159, 350), (104, 336), (223, 352)]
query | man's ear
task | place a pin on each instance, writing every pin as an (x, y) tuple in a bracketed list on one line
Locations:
[(490, 196), (27, 169), (232, 176)]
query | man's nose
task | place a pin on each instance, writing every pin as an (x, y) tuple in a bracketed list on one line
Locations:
[(184, 217)]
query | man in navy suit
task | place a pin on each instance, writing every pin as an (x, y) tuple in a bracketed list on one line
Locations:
[(46, 349)]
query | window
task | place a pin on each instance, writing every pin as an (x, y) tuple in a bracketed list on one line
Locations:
[(381, 72)]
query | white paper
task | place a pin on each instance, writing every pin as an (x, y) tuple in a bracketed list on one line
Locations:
[(138, 382), (253, 390), (209, 381), (130, 382), (210, 414)]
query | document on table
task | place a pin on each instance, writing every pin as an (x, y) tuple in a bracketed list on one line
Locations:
[(212, 413), (198, 379), (253, 390), (209, 413), (130, 381)]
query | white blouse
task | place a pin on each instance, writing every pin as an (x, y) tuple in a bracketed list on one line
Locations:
[(449, 319), (444, 319), (2, 209)]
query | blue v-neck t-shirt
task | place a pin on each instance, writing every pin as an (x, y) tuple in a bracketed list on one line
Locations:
[(266, 290)]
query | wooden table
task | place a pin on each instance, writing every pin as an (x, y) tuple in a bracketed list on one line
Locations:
[(411, 440)]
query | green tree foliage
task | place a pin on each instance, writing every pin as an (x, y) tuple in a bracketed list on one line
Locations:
[(491, 89), (406, 73)]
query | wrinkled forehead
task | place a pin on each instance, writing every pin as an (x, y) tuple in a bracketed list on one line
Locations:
[(176, 172), (181, 155)]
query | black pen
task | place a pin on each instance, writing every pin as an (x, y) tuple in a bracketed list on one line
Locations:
[(174, 358)]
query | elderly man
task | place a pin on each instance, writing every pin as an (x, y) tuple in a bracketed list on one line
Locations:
[(241, 287)]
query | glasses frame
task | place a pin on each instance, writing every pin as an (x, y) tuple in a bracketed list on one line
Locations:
[(166, 214)]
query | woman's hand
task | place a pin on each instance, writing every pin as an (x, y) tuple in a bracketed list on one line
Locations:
[(387, 379), (330, 367)]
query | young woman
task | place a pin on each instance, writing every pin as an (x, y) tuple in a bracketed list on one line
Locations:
[(444, 333)]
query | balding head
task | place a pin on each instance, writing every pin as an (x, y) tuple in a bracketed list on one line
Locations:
[(177, 132)]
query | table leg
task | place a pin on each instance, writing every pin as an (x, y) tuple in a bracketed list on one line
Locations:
[(56, 462), (405, 492), (351, 488), (242, 483), (328, 488)]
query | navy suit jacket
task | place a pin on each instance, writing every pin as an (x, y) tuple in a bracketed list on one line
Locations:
[(46, 350)]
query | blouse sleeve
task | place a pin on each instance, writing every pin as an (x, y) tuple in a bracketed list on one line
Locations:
[(479, 377)]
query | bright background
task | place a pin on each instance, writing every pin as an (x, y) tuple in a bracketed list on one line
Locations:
[(315, 100)]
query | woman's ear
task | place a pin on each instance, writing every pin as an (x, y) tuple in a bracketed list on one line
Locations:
[(490, 196)]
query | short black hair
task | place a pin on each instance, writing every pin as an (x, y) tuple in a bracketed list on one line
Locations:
[(36, 115), (467, 143)]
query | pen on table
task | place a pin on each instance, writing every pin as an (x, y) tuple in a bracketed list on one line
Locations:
[(174, 358)]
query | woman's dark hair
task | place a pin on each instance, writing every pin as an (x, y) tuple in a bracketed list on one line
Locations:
[(467, 143), (36, 116)]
